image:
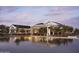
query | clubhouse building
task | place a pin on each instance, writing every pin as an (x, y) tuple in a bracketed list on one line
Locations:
[(48, 28)]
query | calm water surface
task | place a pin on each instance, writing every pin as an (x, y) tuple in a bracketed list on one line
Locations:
[(38, 44)]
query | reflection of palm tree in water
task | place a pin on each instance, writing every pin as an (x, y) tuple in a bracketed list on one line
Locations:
[(60, 41), (49, 41), (19, 40)]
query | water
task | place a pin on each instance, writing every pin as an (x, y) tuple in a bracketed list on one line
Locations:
[(37, 44)]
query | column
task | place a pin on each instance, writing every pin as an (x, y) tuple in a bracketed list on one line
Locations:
[(31, 31), (48, 31)]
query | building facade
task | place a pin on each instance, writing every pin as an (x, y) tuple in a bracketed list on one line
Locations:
[(35, 30), (47, 29), (19, 29), (51, 28)]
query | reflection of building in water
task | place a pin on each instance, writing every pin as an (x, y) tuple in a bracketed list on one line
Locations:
[(20, 38), (49, 41), (12, 39), (37, 39), (42, 40), (4, 39)]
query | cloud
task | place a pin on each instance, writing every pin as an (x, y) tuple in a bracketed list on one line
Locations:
[(63, 13), (73, 22), (7, 9), (23, 15), (18, 18), (35, 14)]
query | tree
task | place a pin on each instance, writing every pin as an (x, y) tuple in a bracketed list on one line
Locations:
[(67, 28), (43, 31), (76, 31), (4, 29)]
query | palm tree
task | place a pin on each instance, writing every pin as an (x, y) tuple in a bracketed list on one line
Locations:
[(76, 32), (66, 30)]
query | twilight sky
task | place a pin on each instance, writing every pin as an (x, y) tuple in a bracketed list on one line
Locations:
[(30, 15)]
